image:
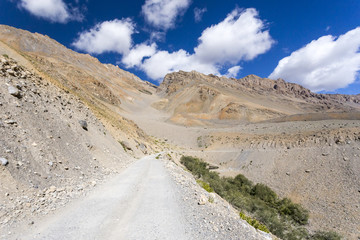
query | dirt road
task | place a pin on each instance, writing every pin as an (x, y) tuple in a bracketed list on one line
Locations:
[(151, 199), (138, 204)]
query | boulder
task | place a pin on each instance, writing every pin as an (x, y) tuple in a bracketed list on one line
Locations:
[(14, 91), (83, 124), (203, 199), (126, 145), (143, 147)]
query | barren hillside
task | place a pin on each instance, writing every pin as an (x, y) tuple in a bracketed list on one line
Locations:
[(195, 99)]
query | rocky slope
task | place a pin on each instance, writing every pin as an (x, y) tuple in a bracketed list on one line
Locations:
[(52, 146), (102, 87), (194, 98)]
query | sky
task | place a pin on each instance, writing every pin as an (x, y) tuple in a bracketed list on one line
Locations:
[(312, 43)]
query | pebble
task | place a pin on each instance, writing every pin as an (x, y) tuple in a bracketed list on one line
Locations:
[(83, 124), (4, 161), (14, 91)]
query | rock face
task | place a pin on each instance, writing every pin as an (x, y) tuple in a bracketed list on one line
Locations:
[(194, 98)]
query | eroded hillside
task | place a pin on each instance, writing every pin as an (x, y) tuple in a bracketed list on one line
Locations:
[(196, 99), (102, 87)]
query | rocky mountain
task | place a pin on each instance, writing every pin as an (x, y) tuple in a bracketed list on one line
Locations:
[(195, 98), (103, 87)]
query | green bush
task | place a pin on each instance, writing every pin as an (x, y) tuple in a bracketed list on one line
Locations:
[(195, 165), (295, 211), (264, 193), (326, 236), (281, 216)]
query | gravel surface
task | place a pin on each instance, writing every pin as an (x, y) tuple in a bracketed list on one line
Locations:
[(152, 199)]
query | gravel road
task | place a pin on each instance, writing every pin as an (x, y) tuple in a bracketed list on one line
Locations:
[(148, 200)]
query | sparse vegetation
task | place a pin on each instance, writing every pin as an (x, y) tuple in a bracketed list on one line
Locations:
[(266, 211), (253, 222), (205, 185), (326, 236), (5, 55)]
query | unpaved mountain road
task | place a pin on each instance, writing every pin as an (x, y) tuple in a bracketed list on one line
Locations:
[(138, 204), (145, 201)]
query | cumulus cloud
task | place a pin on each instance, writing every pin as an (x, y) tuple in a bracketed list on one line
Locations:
[(163, 62), (327, 63), (162, 14), (243, 37), (137, 53), (233, 72), (52, 10), (198, 13), (108, 36)]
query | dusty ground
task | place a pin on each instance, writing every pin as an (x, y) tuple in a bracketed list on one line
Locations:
[(317, 160), (151, 199)]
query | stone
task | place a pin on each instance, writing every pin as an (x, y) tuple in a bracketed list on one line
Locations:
[(51, 189), (10, 121), (126, 145), (83, 124), (4, 161), (143, 147), (14, 91), (203, 199), (11, 72)]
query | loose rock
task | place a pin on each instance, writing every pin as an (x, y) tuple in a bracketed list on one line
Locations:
[(83, 124), (4, 161), (14, 91)]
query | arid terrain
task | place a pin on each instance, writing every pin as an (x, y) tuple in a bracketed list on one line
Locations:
[(70, 126)]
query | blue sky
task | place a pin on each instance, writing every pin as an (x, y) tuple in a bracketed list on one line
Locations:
[(312, 43)]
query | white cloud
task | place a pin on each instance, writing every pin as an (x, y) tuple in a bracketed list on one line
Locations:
[(108, 36), (137, 53), (241, 36), (198, 13), (162, 14), (233, 72), (164, 62), (53, 10), (327, 63)]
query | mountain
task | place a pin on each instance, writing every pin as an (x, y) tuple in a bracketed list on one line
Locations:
[(195, 98), (103, 87)]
